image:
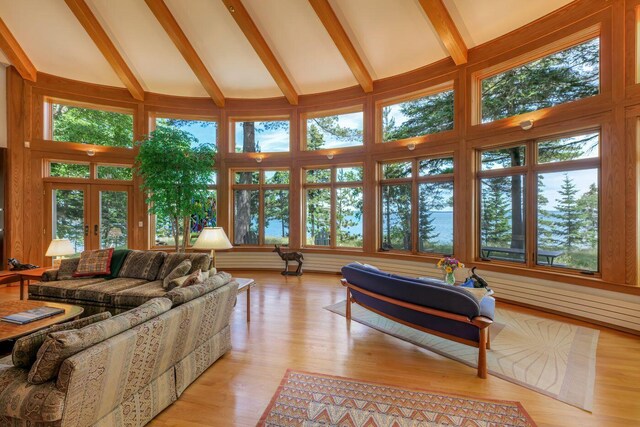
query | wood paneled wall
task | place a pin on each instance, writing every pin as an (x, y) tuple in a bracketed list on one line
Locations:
[(616, 111)]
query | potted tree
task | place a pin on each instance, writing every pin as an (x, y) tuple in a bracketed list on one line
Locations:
[(175, 177)]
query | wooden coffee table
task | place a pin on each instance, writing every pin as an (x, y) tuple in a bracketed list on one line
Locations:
[(10, 331)]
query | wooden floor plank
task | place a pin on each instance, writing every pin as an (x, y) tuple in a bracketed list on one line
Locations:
[(290, 329)]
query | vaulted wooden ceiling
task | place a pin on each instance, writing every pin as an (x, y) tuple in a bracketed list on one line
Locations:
[(248, 48)]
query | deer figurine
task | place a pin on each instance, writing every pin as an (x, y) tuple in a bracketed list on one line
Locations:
[(290, 256)]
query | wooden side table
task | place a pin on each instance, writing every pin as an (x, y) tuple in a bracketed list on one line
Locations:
[(28, 275), (245, 285)]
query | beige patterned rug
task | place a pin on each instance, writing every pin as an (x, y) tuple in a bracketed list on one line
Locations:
[(553, 358), (309, 400)]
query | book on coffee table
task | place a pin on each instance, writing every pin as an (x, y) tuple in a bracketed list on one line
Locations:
[(32, 315)]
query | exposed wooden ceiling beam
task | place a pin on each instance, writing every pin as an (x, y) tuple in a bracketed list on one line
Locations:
[(251, 32), (15, 54), (446, 29), (99, 36), (341, 39), (175, 33)]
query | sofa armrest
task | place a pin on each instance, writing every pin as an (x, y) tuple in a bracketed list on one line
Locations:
[(36, 403), (49, 275)]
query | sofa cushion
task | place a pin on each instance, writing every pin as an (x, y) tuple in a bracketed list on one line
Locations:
[(94, 263), (198, 261), (25, 349), (117, 261), (138, 295), (29, 404), (61, 288), (103, 292), (181, 269), (58, 346), (142, 265), (184, 294), (68, 266), (192, 279)]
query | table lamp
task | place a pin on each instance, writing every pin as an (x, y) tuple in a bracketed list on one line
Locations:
[(212, 238), (59, 248)]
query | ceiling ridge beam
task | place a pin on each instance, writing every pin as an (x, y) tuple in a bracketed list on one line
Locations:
[(251, 32), (101, 39), (447, 31), (15, 54), (343, 43), (179, 38)]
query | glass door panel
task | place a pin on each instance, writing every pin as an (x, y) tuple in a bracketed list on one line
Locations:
[(113, 219), (68, 213)]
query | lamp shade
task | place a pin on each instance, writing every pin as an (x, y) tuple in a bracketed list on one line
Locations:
[(60, 247), (212, 238)]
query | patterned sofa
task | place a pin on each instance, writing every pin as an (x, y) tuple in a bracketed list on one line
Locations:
[(138, 280), (122, 370)]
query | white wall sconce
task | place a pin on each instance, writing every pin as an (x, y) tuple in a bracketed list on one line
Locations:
[(258, 159), (526, 125), (330, 156), (91, 153), (411, 146)]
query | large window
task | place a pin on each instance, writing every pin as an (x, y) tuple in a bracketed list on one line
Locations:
[(333, 199), (561, 206), (417, 205), (267, 136), (164, 228), (417, 116), (91, 126), (202, 131), (261, 207), (564, 76), (333, 131)]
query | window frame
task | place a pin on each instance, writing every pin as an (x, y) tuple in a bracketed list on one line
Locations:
[(261, 187), (530, 172), (231, 127), (332, 186), (406, 97), (579, 37), (415, 180), (305, 116)]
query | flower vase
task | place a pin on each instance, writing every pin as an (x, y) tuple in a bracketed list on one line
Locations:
[(449, 278)]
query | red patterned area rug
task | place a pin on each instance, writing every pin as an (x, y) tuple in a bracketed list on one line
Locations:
[(307, 399)]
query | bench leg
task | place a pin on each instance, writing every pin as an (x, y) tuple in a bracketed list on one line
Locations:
[(348, 311), (482, 353), (489, 338)]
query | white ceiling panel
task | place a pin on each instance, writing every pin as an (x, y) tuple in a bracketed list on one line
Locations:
[(148, 50), (55, 41), (482, 20), (394, 36), (224, 49), (301, 44)]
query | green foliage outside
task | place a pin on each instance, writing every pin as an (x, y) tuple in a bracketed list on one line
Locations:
[(423, 116), (321, 128), (89, 126), (175, 178)]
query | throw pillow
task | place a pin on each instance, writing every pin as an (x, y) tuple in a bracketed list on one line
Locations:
[(25, 349), (181, 270), (192, 279), (117, 261), (142, 265), (67, 267), (94, 263)]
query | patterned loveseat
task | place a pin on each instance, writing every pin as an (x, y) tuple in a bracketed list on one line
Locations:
[(137, 279), (121, 370)]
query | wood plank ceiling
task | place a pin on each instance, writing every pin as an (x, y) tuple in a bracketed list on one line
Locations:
[(358, 36)]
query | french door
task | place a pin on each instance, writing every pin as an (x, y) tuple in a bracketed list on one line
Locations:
[(91, 216)]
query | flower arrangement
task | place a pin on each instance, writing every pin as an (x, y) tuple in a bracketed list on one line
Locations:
[(449, 265)]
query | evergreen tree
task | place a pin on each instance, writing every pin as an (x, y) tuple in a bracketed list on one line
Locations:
[(494, 221), (568, 223), (588, 211)]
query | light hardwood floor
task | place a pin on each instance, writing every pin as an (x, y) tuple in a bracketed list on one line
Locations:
[(290, 329)]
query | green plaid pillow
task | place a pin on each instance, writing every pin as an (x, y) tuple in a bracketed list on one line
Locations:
[(94, 263)]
